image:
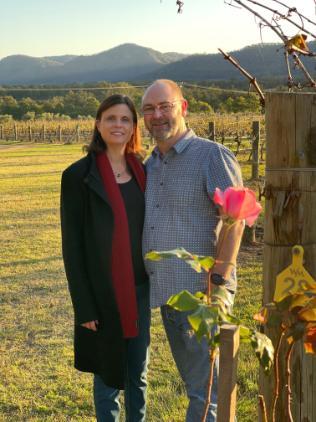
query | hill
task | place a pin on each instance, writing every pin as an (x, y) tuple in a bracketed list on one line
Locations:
[(132, 63), (124, 62)]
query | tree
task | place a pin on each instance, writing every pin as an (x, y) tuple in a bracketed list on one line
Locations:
[(80, 103), (9, 105)]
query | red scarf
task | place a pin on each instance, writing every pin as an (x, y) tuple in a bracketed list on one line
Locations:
[(121, 260)]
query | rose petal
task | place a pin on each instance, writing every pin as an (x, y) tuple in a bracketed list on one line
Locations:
[(218, 197), (238, 203)]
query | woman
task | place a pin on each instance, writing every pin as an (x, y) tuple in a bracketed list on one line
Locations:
[(102, 213)]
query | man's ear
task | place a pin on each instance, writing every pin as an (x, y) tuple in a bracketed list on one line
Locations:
[(184, 107)]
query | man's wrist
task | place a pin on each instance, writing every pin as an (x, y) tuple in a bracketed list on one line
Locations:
[(228, 263), (218, 279)]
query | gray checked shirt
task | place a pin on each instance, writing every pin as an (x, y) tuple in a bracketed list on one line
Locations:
[(180, 211)]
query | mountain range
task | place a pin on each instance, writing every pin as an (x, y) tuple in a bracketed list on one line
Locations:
[(132, 63)]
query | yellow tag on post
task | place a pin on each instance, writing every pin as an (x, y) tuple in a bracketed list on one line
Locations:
[(294, 279)]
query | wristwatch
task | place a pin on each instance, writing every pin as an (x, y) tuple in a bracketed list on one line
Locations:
[(218, 279)]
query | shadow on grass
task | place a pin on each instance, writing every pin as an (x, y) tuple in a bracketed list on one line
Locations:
[(31, 261), (34, 174)]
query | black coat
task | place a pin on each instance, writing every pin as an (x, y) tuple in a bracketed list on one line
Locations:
[(87, 226)]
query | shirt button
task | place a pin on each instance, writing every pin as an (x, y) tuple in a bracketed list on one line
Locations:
[(151, 273), (157, 206), (161, 183), (152, 227), (165, 162)]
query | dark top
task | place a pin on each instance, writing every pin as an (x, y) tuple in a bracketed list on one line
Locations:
[(135, 209)]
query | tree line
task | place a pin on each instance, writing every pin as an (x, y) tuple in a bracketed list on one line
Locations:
[(52, 104)]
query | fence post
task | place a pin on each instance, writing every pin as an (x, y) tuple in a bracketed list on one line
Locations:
[(44, 132), (30, 133), (78, 133), (59, 134), (1, 132), (255, 149), (211, 130), (227, 381), (15, 132), (290, 203)]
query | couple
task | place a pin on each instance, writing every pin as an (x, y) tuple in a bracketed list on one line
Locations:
[(105, 229)]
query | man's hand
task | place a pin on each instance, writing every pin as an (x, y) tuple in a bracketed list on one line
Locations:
[(91, 325)]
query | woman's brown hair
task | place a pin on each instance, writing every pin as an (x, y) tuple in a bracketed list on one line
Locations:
[(97, 144)]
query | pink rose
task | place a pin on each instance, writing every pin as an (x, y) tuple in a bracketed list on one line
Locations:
[(238, 204)]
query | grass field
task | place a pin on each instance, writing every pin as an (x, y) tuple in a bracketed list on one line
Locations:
[(37, 379)]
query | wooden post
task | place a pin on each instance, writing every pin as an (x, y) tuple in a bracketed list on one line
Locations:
[(44, 133), (255, 149), (1, 132), (290, 206), (227, 381), (59, 134), (30, 133), (78, 133), (15, 132), (211, 130)]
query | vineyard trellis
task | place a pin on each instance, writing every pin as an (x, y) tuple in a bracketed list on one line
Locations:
[(237, 132)]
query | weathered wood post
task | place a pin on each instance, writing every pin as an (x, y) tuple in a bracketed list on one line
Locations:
[(255, 149), (59, 133), (30, 132), (211, 130), (15, 129), (1, 132), (78, 134), (290, 215), (44, 132), (227, 381)]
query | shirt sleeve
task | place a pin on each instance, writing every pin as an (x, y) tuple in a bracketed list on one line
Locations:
[(223, 170)]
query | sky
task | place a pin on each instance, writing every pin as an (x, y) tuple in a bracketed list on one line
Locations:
[(84, 27)]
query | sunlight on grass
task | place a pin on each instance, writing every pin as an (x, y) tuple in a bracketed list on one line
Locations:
[(38, 382)]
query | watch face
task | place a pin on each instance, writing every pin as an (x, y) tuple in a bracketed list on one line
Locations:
[(217, 279)]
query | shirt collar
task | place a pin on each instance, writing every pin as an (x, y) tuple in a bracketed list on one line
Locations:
[(180, 146)]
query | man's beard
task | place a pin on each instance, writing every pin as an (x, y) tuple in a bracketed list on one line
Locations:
[(161, 133)]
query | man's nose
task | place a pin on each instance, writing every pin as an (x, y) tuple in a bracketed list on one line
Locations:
[(157, 112)]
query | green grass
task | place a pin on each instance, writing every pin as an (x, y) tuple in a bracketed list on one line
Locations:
[(38, 381)]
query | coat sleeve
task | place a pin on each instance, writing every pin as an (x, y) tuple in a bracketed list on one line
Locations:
[(72, 220)]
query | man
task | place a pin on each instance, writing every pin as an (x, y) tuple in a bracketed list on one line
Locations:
[(182, 174)]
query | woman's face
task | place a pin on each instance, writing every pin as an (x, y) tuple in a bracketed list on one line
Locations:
[(116, 125)]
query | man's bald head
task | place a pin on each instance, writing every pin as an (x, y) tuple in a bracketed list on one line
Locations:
[(164, 111), (165, 85)]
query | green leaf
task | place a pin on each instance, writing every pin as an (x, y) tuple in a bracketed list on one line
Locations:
[(183, 301), (264, 350), (201, 296), (245, 334), (153, 256), (227, 318), (206, 262), (220, 293), (197, 262), (203, 320)]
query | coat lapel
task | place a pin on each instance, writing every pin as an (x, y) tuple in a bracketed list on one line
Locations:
[(94, 181)]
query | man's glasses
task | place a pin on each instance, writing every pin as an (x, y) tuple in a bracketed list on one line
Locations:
[(164, 108)]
